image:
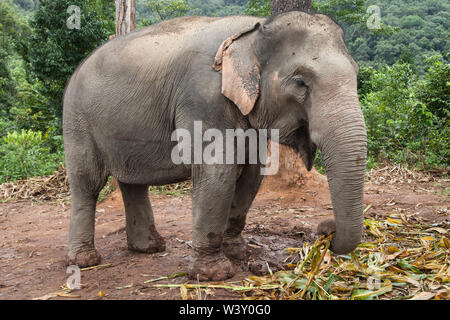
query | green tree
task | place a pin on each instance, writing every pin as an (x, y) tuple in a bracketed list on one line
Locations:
[(408, 57), (217, 8), (413, 21), (24, 155), (106, 11), (7, 89), (26, 4), (259, 8), (435, 89), (167, 9), (55, 50), (420, 27), (13, 32), (401, 126)]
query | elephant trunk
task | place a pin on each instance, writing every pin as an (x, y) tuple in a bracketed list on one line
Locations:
[(344, 149)]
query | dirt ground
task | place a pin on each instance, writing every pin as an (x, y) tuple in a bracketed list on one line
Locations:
[(34, 238)]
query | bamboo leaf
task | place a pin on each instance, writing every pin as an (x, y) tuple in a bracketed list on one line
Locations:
[(423, 296), (183, 292), (361, 294)]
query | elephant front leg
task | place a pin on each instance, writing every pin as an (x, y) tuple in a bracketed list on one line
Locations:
[(212, 196), (247, 187)]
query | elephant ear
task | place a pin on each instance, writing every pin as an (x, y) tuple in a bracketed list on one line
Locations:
[(240, 70)]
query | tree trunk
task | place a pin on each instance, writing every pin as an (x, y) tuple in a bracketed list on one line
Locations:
[(286, 5), (125, 16), (292, 171)]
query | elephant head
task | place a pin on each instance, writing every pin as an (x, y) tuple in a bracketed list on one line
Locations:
[(294, 73)]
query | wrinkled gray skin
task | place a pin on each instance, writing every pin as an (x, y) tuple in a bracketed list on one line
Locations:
[(123, 103)]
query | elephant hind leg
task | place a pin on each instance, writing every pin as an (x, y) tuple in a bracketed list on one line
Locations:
[(85, 186), (140, 224)]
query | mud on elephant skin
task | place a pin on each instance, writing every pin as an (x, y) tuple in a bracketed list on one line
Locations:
[(291, 72)]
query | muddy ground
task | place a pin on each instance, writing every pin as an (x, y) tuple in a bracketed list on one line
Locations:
[(33, 238)]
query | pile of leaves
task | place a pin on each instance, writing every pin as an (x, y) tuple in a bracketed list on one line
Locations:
[(174, 189), (51, 188), (55, 188), (398, 260), (398, 175), (45, 188)]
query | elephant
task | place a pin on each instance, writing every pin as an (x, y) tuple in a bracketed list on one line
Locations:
[(291, 72)]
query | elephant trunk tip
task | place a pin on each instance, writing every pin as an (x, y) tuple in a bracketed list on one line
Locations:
[(339, 244), (344, 244), (343, 248)]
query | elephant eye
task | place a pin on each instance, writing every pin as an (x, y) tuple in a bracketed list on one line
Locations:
[(300, 83)]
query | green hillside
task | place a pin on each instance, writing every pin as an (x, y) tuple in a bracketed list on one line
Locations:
[(421, 30), (421, 27)]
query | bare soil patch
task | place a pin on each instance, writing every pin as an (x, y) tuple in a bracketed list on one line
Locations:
[(33, 237)]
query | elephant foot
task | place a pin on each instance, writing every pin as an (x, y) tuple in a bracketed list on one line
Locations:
[(326, 227), (235, 248), (85, 258), (215, 267), (153, 244)]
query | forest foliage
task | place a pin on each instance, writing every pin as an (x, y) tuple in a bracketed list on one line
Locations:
[(404, 75)]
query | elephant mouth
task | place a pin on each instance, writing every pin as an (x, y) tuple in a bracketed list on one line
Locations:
[(308, 150), (314, 148), (313, 156), (300, 141)]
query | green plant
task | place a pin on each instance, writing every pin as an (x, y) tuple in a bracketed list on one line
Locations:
[(176, 189), (365, 80), (435, 89), (318, 163), (401, 128), (259, 8), (165, 9), (106, 191), (25, 154), (55, 50)]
